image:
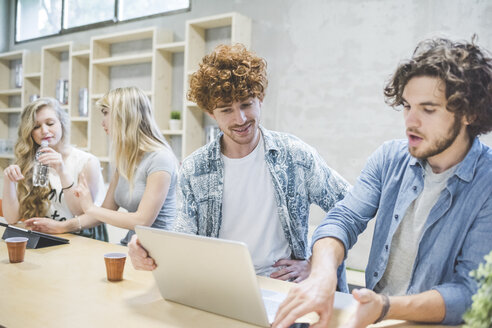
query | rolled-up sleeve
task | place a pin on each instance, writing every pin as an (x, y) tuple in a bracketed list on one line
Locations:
[(458, 293), (350, 216)]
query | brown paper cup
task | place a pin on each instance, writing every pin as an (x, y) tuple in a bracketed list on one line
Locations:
[(115, 263), (17, 248)]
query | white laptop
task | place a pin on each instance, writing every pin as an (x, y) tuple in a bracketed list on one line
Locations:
[(214, 275)]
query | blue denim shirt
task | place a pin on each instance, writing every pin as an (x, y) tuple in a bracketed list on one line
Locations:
[(456, 236), (300, 177)]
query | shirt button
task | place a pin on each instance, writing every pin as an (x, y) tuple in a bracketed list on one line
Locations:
[(396, 216), (386, 247), (414, 188), (375, 274)]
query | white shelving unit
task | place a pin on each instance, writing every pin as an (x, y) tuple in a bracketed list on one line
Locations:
[(91, 66), (12, 97)]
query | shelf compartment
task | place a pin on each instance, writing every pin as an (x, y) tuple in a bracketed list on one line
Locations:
[(101, 46), (55, 65), (79, 132)]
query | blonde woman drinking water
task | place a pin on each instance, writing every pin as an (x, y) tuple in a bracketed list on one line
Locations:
[(44, 122), (144, 182)]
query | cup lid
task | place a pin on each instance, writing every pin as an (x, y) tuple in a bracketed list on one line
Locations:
[(115, 255), (16, 239)]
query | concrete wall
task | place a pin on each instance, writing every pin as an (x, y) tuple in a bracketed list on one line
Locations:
[(327, 63)]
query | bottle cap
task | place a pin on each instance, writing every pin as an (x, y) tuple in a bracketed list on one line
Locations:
[(44, 143)]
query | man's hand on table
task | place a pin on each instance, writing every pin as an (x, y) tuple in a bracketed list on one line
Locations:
[(292, 270), (368, 309), (315, 294)]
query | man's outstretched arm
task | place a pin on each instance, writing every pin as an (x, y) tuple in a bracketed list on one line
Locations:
[(315, 294), (424, 307)]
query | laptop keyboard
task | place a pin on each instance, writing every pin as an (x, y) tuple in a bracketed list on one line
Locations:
[(272, 301)]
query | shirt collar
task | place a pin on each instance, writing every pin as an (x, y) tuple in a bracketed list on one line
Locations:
[(269, 140), (466, 168)]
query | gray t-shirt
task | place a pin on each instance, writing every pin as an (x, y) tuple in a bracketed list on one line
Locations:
[(162, 160), (405, 242)]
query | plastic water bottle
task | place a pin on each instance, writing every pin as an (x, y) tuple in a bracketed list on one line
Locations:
[(40, 174)]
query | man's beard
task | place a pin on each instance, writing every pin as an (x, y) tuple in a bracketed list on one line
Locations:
[(443, 143)]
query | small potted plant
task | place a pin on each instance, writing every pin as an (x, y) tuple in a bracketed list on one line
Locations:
[(175, 121), (480, 313)]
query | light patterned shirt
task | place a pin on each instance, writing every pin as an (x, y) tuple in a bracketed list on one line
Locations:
[(300, 178)]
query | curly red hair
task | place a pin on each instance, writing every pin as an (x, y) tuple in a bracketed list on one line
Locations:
[(228, 74)]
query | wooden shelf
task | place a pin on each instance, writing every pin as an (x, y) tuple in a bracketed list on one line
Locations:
[(13, 55), (144, 33), (172, 132), (81, 53), (191, 104), (173, 47), (11, 110), (7, 156), (124, 60), (79, 119), (33, 75), (97, 96), (213, 21), (60, 47), (11, 92)]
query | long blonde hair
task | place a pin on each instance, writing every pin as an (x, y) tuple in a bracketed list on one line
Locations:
[(34, 201), (133, 130)]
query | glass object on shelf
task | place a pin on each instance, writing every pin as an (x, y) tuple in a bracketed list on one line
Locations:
[(211, 132), (62, 91), (83, 102), (7, 146), (33, 97), (85, 12), (128, 9), (3, 146), (18, 75), (37, 18)]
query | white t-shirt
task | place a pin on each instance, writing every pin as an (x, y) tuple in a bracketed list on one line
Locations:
[(405, 242), (74, 164), (249, 210)]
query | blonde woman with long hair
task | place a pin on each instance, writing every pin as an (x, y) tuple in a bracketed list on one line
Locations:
[(145, 177), (45, 120)]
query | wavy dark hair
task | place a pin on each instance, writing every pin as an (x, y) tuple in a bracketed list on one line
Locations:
[(229, 73), (466, 71)]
